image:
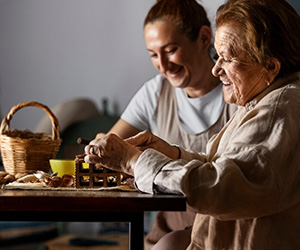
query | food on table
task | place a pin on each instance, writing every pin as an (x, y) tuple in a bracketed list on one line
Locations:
[(50, 180)]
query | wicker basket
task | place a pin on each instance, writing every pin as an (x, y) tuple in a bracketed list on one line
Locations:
[(25, 151)]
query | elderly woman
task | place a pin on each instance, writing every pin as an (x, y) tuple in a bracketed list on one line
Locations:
[(245, 188)]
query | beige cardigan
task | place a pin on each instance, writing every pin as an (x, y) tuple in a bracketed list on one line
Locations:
[(246, 188)]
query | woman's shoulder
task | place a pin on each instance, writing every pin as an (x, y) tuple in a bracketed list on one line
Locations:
[(281, 100), (153, 86), (285, 89), (154, 83)]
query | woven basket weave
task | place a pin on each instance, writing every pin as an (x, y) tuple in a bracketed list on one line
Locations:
[(23, 151)]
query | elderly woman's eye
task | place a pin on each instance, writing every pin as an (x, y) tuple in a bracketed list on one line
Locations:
[(226, 60), (222, 59)]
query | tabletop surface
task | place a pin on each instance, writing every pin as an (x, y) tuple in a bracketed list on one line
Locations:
[(88, 200)]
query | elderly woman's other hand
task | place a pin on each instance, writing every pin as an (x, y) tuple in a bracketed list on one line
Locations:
[(112, 152), (146, 139)]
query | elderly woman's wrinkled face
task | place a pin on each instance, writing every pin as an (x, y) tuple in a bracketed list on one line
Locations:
[(242, 78)]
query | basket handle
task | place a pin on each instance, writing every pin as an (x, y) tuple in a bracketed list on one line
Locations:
[(6, 120)]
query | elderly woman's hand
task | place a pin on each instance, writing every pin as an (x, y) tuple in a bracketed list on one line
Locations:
[(146, 139), (97, 138), (112, 152)]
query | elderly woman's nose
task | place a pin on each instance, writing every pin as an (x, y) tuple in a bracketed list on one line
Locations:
[(217, 69)]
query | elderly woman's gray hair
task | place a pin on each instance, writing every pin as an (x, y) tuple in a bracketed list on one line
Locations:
[(271, 28)]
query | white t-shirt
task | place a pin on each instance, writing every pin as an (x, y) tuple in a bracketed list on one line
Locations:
[(196, 114)]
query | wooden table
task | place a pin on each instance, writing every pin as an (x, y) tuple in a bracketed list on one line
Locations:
[(87, 206)]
